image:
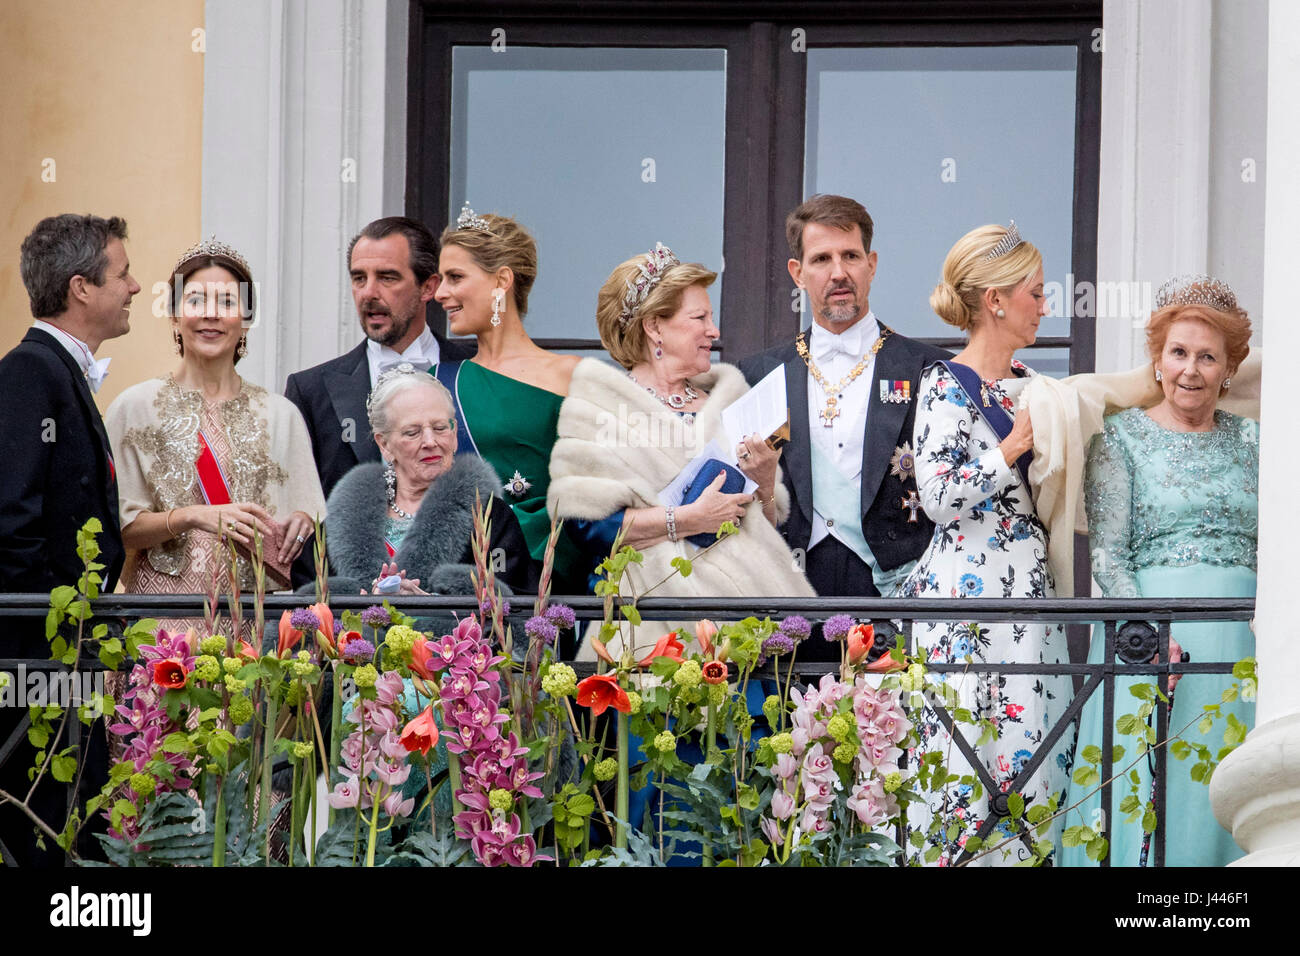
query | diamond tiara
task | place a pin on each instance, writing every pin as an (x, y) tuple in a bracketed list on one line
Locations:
[(1196, 289), (652, 268), (212, 246), (1005, 244), (468, 219)]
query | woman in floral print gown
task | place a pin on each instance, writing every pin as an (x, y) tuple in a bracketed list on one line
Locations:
[(988, 542)]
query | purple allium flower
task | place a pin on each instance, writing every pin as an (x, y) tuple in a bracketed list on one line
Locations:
[(485, 607), (778, 643), (837, 627), (561, 616), (796, 627), (304, 619), (541, 629), (358, 651), (375, 616)]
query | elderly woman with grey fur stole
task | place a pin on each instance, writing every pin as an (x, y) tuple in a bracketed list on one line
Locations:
[(411, 520)]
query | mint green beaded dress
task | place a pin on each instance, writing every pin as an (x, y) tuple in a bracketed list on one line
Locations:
[(1172, 514)]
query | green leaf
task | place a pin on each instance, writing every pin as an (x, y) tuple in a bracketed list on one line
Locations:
[(630, 612), (581, 804), (1180, 749), (1229, 694), (1199, 771), (1204, 724), (1127, 724), (683, 565), (1117, 753), (1149, 821), (932, 854), (1143, 691), (1087, 776), (1015, 805), (1244, 668), (1235, 733), (1037, 812), (1091, 753), (747, 797), (39, 734), (1097, 848), (1128, 804), (177, 743), (973, 844), (916, 838), (62, 596), (1074, 836), (64, 766), (1144, 711)]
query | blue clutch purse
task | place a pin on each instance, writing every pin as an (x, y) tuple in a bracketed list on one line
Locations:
[(733, 484)]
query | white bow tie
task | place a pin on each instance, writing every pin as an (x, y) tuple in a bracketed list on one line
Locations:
[(827, 345), (97, 372)]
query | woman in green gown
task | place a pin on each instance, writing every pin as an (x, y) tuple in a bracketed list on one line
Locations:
[(508, 396), (1172, 498)]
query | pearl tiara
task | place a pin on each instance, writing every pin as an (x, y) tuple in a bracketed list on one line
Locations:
[(212, 247), (469, 220), (652, 268), (1196, 289)]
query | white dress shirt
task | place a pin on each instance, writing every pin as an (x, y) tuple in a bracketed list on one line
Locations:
[(836, 355), (422, 353), (95, 370)]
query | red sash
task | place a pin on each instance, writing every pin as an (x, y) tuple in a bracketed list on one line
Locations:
[(212, 480), (392, 552)]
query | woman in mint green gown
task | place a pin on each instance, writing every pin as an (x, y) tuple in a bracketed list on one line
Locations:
[(508, 396), (1172, 500)]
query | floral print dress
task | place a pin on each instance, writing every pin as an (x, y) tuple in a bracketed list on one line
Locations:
[(987, 543)]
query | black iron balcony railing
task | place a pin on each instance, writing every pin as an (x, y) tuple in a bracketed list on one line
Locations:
[(1161, 612)]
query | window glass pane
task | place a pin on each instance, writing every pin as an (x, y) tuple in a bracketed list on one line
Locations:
[(935, 141), (600, 153)]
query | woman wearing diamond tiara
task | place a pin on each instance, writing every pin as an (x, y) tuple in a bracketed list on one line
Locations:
[(508, 396), (625, 435), (1171, 492), (203, 453), (973, 443)]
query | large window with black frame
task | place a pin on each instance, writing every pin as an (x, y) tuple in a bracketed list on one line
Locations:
[(608, 127)]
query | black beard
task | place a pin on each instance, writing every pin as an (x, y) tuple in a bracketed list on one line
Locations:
[(396, 332)]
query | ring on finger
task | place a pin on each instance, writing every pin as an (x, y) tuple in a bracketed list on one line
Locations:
[(300, 539)]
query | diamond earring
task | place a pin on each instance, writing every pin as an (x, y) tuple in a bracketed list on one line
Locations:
[(1159, 376), (242, 349), (180, 349), (1227, 383), (659, 349), (498, 303), (390, 482)]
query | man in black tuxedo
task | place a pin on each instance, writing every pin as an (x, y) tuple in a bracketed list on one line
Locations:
[(394, 267), (851, 384), (57, 463)]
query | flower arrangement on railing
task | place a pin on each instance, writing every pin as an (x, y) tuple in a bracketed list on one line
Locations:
[(467, 748)]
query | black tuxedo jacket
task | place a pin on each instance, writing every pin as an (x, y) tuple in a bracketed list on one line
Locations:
[(332, 399), (893, 539), (55, 470)]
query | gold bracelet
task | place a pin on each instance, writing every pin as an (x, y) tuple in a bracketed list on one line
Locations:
[(168, 521)]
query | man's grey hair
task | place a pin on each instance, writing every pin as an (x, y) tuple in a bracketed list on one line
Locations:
[(59, 248)]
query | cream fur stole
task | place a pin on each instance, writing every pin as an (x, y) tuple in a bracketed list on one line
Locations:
[(617, 447)]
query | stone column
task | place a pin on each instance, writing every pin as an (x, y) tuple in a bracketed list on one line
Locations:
[(1256, 790)]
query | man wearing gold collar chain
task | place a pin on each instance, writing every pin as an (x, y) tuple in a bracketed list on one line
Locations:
[(851, 383)]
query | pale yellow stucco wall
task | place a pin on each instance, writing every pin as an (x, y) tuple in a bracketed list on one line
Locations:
[(112, 92)]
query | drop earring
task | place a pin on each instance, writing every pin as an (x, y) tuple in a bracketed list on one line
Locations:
[(659, 349), (1227, 383), (180, 350), (498, 303), (242, 349)]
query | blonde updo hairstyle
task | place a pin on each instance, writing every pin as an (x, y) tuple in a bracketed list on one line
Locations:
[(505, 243), (958, 298), (626, 341)]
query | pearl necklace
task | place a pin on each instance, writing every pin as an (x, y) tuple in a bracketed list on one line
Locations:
[(674, 401)]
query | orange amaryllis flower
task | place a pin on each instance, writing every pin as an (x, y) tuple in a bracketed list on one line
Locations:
[(325, 635), (861, 638), (421, 733), (170, 674), (247, 651), (602, 690), (424, 663), (705, 632), (667, 646), (289, 636), (601, 651), (884, 664), (715, 672)]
